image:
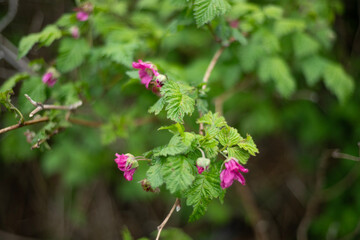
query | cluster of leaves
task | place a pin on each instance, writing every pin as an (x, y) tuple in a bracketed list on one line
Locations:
[(175, 163)]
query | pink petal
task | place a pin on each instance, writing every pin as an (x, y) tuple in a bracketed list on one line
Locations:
[(239, 177), (227, 178), (46, 77), (145, 78), (82, 16), (129, 174), (200, 169)]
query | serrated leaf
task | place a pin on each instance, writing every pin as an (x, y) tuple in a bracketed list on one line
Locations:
[(338, 81), (207, 10), (45, 37), (177, 100), (313, 68), (175, 146), (157, 107), (202, 105), (249, 145), (154, 175), (72, 53), (205, 187), (212, 119), (238, 153), (177, 173), (272, 11), (275, 69), (120, 53), (209, 145), (304, 45), (228, 136)]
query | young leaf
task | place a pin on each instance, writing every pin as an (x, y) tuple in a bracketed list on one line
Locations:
[(72, 53), (304, 45), (10, 83), (207, 10), (238, 153), (209, 145), (174, 128), (177, 99), (249, 145), (157, 107), (212, 119), (228, 136), (175, 146), (313, 68), (177, 173), (205, 187), (154, 175)]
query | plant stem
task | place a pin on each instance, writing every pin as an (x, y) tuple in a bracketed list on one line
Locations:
[(26, 123), (161, 226), (39, 106)]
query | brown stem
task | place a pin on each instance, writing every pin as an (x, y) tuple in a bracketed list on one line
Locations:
[(39, 106), (26, 123), (337, 154), (161, 226), (207, 76)]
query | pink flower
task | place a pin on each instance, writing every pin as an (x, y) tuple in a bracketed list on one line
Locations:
[(234, 23), (75, 33), (82, 16), (146, 72), (49, 79), (125, 163), (200, 169), (232, 172)]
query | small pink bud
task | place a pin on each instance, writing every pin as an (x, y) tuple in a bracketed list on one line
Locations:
[(75, 33)]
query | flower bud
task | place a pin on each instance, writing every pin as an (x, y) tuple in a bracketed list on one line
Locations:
[(131, 161), (203, 162)]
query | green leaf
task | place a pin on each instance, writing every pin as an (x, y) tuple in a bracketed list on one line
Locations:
[(238, 153), (338, 81), (174, 128), (272, 11), (275, 69), (35, 88), (202, 105), (205, 187), (207, 10), (157, 107), (249, 145), (45, 37), (72, 53), (209, 144), (304, 45), (154, 175), (287, 26), (120, 53), (313, 69), (228, 136), (177, 99), (177, 173), (212, 119), (175, 146), (10, 83)]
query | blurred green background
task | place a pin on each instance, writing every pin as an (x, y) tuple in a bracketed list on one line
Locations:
[(75, 191)]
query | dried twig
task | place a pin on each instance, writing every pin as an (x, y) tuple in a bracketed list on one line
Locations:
[(338, 154), (161, 226), (39, 106)]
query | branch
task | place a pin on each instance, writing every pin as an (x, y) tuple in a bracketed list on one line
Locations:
[(207, 76), (162, 225), (13, 5), (337, 154), (26, 123), (39, 106)]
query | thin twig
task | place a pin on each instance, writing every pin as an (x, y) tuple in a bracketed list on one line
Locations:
[(39, 106), (161, 226), (13, 5), (337, 154), (26, 123)]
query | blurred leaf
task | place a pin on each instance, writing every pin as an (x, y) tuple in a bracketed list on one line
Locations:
[(313, 68), (286, 26), (154, 175), (46, 37), (276, 69), (174, 234), (304, 45), (120, 53), (10, 83), (72, 53)]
